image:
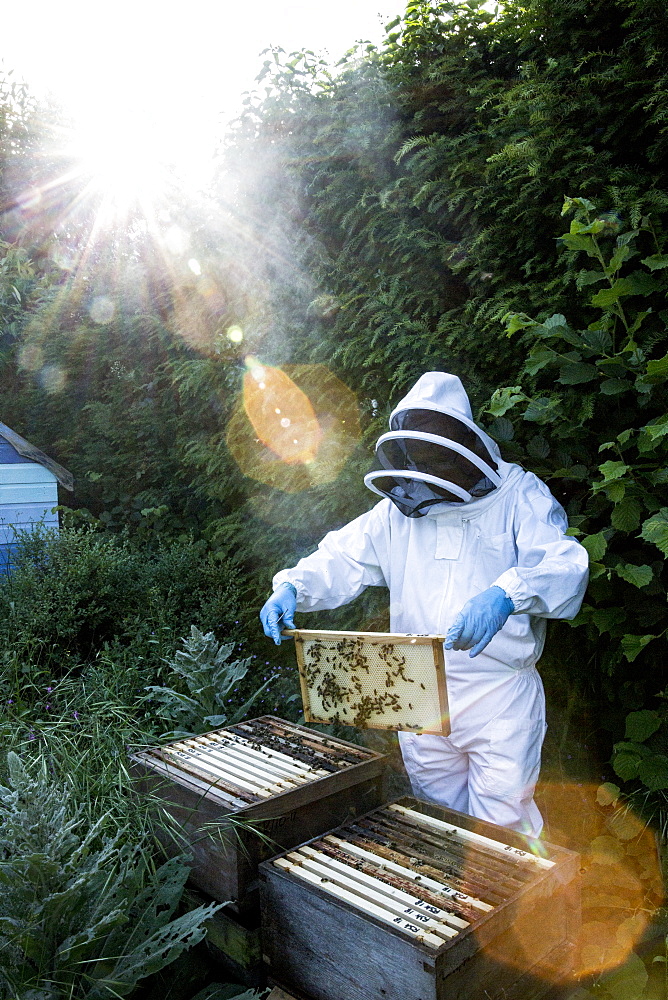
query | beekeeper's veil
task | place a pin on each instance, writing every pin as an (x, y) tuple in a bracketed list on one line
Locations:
[(434, 453)]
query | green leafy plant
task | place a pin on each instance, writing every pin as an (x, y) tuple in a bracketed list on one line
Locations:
[(207, 680), (80, 914), (591, 409), (642, 758), (596, 391)]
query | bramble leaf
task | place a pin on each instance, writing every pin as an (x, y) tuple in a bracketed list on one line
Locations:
[(633, 645), (641, 725), (505, 399), (595, 545), (639, 576), (655, 530)]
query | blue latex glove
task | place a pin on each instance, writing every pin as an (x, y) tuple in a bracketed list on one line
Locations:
[(278, 612), (479, 620)]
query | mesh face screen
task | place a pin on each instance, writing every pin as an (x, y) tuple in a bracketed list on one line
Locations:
[(413, 497), (386, 683), (445, 426), (422, 456)]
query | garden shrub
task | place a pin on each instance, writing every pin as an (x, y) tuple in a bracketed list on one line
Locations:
[(72, 592)]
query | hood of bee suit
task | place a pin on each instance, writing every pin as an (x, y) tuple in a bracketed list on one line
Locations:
[(434, 453)]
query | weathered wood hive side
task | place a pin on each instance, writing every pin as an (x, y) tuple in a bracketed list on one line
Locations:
[(244, 793), (416, 902)]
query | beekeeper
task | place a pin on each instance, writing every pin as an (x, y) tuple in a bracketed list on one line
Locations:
[(471, 547)]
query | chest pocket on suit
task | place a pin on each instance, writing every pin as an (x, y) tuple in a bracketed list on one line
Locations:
[(449, 538), (494, 554)]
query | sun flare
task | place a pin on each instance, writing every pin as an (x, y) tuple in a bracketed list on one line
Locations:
[(124, 164)]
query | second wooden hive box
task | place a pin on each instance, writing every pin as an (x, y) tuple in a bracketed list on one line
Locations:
[(416, 902), (240, 794)]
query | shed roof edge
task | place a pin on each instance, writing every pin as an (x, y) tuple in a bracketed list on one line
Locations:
[(65, 478)]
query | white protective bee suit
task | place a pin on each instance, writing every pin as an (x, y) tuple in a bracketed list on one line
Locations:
[(433, 562)]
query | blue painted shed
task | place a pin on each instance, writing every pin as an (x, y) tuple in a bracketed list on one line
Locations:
[(28, 490)]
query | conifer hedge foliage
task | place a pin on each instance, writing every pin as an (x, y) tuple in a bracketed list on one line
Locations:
[(403, 212)]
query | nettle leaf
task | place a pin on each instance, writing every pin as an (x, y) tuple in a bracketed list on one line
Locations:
[(501, 429), (655, 530), (538, 447), (505, 399), (613, 386), (542, 410), (657, 370), (633, 645), (626, 515), (656, 262), (641, 725), (577, 373), (595, 545), (639, 576), (598, 340), (653, 772)]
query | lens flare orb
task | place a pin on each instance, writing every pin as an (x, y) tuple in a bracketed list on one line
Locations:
[(281, 414), (621, 881), (293, 427)]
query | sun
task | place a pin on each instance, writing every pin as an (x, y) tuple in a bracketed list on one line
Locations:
[(123, 164)]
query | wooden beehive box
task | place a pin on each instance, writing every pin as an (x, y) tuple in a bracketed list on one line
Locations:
[(243, 793), (373, 680), (416, 902)]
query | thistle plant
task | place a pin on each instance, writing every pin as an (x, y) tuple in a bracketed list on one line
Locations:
[(203, 667), (80, 914)]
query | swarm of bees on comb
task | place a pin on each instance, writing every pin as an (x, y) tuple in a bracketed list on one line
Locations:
[(373, 680)]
